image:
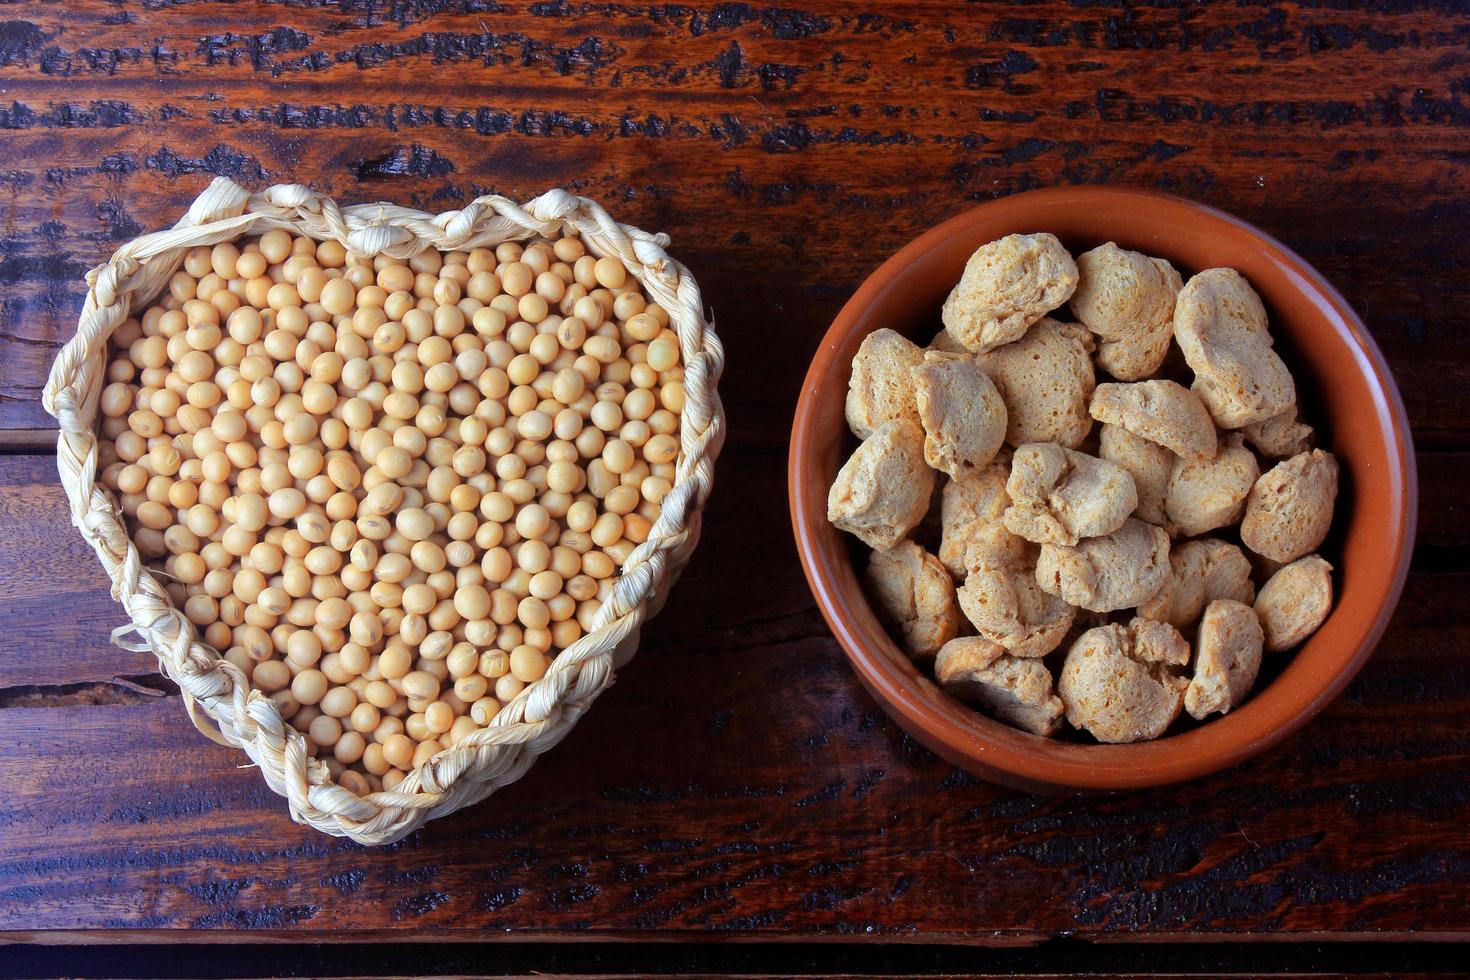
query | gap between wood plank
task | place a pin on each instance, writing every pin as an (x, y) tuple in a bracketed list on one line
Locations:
[(1382, 954), (123, 689), (18, 442)]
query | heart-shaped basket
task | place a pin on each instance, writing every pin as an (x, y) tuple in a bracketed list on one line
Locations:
[(216, 693)]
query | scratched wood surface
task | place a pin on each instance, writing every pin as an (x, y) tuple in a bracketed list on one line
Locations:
[(737, 780)]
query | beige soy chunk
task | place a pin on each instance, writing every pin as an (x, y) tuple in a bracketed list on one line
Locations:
[(1227, 658), (883, 490), (1127, 300), (1199, 573), (1205, 495), (1289, 509), (963, 415), (1015, 691), (1008, 285), (912, 593), (1045, 380), (1280, 436), (945, 343), (1007, 606), (1119, 683), (881, 387), (1116, 571), (1164, 412), (1220, 325), (1147, 462), (1158, 643), (1059, 496), (1294, 602), (972, 533)]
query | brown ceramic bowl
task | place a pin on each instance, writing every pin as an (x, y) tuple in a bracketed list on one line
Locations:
[(1345, 391)]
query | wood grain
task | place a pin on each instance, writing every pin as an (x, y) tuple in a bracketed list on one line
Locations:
[(772, 605), (787, 150), (737, 781), (697, 826)]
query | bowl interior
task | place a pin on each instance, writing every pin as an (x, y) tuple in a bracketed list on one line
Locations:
[(1345, 391)]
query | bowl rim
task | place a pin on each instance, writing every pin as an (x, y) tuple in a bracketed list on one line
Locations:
[(982, 745)]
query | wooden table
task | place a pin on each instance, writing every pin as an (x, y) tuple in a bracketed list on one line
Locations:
[(737, 782)]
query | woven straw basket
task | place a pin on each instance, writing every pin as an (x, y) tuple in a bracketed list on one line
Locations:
[(217, 694)]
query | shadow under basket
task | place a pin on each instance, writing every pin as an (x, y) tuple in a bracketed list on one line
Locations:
[(216, 693)]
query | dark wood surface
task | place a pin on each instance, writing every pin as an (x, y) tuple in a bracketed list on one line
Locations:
[(737, 781)]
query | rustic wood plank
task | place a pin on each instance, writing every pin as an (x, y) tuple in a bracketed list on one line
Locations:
[(48, 565), (745, 540), (765, 798), (737, 779), (768, 141)]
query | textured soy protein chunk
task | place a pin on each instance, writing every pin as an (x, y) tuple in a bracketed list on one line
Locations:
[(883, 490), (881, 387), (1045, 380), (913, 594), (1059, 495), (1199, 573), (1006, 606), (1294, 602), (945, 343), (1227, 658), (973, 534), (1220, 325), (1161, 411), (1127, 300), (1147, 462), (1116, 571), (1049, 540), (1016, 691), (1122, 683), (1289, 509), (963, 415), (1280, 436), (1157, 643), (1207, 495), (1007, 286)]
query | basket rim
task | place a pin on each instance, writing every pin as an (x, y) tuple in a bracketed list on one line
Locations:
[(217, 695)]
